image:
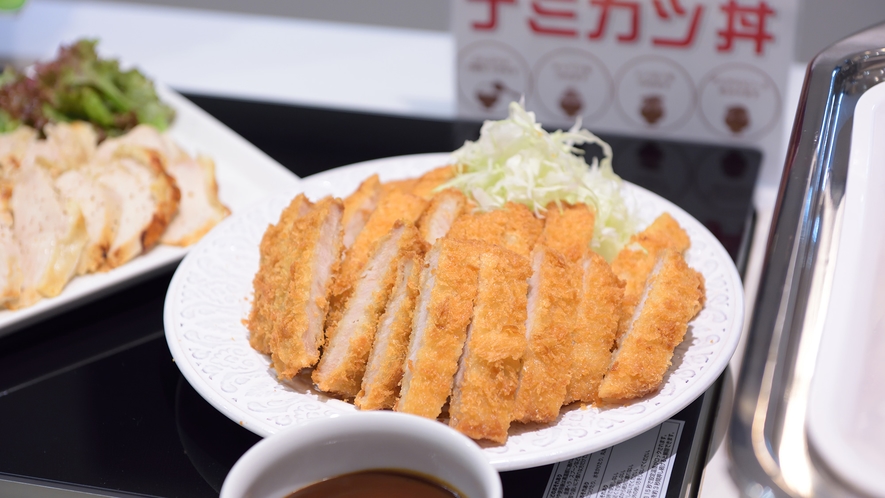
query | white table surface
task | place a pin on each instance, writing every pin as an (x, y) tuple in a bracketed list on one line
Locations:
[(322, 64)]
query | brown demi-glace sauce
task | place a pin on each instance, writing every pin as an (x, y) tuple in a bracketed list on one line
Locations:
[(377, 484)]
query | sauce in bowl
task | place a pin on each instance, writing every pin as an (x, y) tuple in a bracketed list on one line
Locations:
[(378, 484)]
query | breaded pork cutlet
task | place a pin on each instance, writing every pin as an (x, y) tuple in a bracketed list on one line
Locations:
[(392, 206), (568, 229), (349, 341), (513, 227), (552, 306), (484, 390), (673, 295), (444, 209), (273, 272), (301, 307), (439, 326), (384, 371), (428, 182), (596, 326), (358, 206), (634, 263)]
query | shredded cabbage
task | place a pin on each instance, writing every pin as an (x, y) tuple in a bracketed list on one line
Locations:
[(515, 160)]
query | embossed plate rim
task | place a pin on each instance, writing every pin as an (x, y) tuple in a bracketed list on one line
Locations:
[(528, 447)]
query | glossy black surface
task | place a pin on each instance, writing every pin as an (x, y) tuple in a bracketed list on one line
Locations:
[(91, 399)]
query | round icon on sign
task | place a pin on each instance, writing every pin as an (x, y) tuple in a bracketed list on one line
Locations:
[(739, 101), (491, 75), (571, 83), (655, 93)]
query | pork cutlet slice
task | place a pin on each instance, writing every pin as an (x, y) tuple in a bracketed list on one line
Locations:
[(484, 392), (349, 341), (300, 310)]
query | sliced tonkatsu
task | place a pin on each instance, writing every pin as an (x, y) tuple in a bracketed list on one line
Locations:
[(269, 284), (439, 327), (300, 309), (384, 371), (484, 391), (568, 229), (358, 206), (552, 307), (672, 296), (349, 340), (513, 227), (444, 208)]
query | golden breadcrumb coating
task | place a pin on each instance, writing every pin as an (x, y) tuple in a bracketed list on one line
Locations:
[(552, 308), (393, 205), (601, 298), (384, 371), (358, 206), (349, 341), (568, 229), (405, 186), (273, 271), (673, 296), (444, 208), (439, 327), (300, 309), (428, 182), (513, 227), (634, 263), (485, 385)]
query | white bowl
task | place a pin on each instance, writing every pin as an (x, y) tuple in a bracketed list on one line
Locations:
[(286, 462)]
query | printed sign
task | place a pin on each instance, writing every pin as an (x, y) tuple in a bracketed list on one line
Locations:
[(637, 468), (701, 70)]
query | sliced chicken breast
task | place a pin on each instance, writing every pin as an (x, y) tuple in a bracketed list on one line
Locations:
[(277, 253), (73, 144), (444, 208), (302, 306), (439, 328), (149, 199), (101, 208), (384, 371), (51, 234), (10, 267), (14, 146), (552, 309), (673, 295), (596, 327), (349, 341), (485, 386), (199, 209)]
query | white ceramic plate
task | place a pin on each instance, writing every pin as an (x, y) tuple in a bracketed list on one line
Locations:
[(211, 291), (846, 409), (245, 175)]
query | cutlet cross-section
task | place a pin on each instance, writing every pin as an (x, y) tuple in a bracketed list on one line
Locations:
[(485, 386), (392, 206), (384, 370), (444, 209), (513, 227), (439, 327), (276, 256), (568, 229), (349, 340), (301, 307), (635, 262), (673, 295), (358, 206), (596, 326), (552, 305)]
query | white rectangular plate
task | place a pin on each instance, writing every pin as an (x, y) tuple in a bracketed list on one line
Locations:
[(245, 176)]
